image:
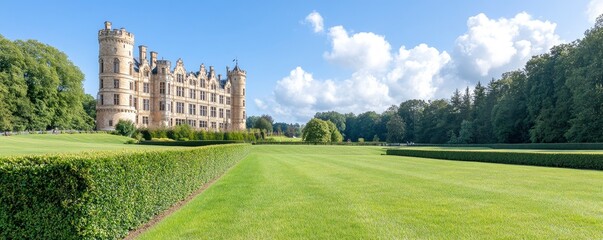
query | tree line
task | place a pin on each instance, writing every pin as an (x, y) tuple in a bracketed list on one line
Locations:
[(41, 89), (557, 97)]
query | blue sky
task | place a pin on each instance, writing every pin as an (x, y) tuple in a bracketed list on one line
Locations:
[(354, 64)]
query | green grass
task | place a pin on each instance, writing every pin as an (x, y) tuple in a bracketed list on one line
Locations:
[(61, 143), (284, 139), (344, 192)]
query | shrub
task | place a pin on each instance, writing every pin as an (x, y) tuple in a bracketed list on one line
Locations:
[(125, 127), (189, 143), (550, 159), (101, 195)]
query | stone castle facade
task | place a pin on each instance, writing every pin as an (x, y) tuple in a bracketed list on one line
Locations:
[(152, 94)]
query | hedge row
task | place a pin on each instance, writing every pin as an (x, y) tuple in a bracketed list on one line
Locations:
[(197, 143), (321, 143), (550, 146), (187, 132), (101, 195), (562, 160)]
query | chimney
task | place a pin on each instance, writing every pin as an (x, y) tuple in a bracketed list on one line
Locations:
[(107, 25), (142, 52), (153, 59)]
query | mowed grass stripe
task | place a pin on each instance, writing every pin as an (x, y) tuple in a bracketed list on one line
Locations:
[(327, 192)]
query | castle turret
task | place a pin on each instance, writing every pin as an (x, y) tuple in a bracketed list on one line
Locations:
[(237, 79), (116, 90)]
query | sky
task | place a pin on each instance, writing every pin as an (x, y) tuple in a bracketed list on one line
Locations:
[(303, 57)]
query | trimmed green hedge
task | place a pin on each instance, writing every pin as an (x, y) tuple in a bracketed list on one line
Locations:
[(562, 160), (551, 146), (197, 143), (101, 195), (320, 143)]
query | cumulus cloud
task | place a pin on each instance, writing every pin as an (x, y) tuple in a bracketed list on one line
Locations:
[(493, 46), (416, 73), (381, 77), (260, 104), (595, 8), (361, 51), (316, 21), (299, 95)]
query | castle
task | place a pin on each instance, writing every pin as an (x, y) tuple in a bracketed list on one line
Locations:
[(152, 94)]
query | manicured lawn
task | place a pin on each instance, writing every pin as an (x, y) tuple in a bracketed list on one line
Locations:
[(344, 192), (285, 139), (61, 143)]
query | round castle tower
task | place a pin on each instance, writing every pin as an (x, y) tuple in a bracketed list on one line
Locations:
[(116, 90), (237, 80)]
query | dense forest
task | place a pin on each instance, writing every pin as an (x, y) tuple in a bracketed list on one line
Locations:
[(556, 97), (41, 89)]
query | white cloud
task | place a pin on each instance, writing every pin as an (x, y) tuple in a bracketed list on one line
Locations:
[(493, 46), (595, 8), (381, 77), (417, 72), (299, 95), (316, 21), (361, 51), (260, 104)]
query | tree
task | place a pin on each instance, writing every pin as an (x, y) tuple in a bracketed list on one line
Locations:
[(125, 128), (395, 129), (334, 132), (250, 121), (410, 111), (263, 124), (337, 118), (316, 130), (89, 104)]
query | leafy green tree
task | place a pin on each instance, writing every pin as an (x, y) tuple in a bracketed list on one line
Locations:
[(89, 104), (395, 129), (335, 117), (316, 130), (263, 124), (334, 132), (410, 111), (125, 127), (250, 121)]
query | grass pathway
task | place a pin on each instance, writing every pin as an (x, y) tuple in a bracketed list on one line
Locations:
[(343, 192)]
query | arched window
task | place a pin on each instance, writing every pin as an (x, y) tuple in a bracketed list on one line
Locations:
[(116, 65), (101, 66)]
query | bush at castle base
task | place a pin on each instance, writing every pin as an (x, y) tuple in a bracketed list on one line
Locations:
[(101, 195)]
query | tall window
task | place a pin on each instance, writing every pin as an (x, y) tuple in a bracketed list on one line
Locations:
[(136, 103), (227, 113), (202, 95), (116, 65), (192, 109), (213, 125), (221, 99), (145, 120), (202, 83), (102, 100), (213, 97), (228, 90), (110, 122), (212, 112), (179, 91), (101, 84), (221, 112), (179, 107), (102, 66), (203, 111), (243, 103), (213, 87), (115, 99), (131, 86), (145, 87), (227, 100), (161, 88), (179, 78), (131, 69), (146, 104), (243, 91), (161, 106), (192, 93), (203, 124), (115, 83), (131, 101)]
